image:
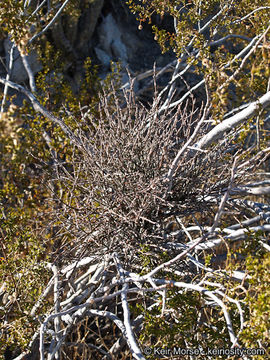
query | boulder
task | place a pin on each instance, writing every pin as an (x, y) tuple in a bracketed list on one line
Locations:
[(103, 57), (19, 73), (110, 40)]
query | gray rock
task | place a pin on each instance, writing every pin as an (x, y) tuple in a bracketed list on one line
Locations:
[(19, 73), (103, 57), (119, 50), (110, 40)]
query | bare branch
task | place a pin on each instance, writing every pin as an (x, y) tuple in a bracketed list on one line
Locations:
[(56, 16), (41, 109), (218, 131)]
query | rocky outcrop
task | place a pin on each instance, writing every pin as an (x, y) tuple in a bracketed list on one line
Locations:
[(110, 43), (18, 73), (105, 31)]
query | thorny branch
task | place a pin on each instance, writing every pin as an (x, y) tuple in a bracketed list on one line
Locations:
[(118, 208), (89, 287)]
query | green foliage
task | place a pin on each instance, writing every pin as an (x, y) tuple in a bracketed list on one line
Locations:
[(257, 328), (208, 61), (22, 275), (187, 322), (13, 20), (26, 164), (27, 167)]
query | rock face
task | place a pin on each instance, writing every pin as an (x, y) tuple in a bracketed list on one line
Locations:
[(105, 31), (110, 45), (19, 73)]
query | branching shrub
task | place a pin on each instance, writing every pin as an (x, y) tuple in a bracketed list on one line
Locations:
[(115, 191)]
